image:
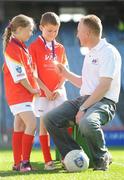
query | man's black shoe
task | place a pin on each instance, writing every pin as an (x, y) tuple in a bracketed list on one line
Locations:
[(103, 163)]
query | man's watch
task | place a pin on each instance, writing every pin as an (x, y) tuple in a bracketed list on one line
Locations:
[(82, 108)]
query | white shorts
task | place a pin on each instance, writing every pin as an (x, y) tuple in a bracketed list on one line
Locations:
[(42, 105), (22, 107)]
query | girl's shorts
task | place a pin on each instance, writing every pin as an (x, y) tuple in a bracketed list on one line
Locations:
[(22, 107), (42, 105)]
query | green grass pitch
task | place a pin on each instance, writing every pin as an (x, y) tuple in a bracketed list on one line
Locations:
[(116, 171)]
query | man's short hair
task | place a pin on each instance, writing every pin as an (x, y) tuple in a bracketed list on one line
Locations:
[(94, 23)]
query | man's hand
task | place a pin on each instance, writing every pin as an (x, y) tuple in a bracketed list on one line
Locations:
[(62, 69), (79, 115)]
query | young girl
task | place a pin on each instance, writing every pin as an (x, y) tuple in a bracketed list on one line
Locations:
[(46, 52), (20, 86)]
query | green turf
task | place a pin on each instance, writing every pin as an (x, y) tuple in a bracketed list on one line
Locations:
[(116, 171)]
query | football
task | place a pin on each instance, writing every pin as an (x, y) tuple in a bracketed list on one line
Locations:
[(76, 160)]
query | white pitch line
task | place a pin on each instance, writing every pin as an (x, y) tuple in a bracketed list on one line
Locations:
[(5, 160), (117, 163)]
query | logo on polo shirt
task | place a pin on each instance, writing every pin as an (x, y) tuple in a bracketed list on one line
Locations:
[(95, 61)]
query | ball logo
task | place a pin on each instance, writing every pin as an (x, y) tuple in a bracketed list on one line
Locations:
[(79, 162), (76, 160), (18, 69)]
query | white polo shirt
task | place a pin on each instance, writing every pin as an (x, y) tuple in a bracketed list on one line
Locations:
[(103, 60)]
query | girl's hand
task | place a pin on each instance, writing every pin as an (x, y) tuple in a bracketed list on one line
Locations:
[(36, 92), (56, 94), (48, 94)]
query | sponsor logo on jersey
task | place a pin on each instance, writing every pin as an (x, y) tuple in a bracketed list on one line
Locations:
[(20, 75), (50, 57)]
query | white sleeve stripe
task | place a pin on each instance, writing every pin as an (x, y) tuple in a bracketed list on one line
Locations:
[(16, 69), (11, 59)]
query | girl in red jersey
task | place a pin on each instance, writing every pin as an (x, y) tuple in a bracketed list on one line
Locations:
[(20, 86), (46, 52)]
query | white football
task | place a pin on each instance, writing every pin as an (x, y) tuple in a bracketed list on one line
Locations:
[(76, 160)]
